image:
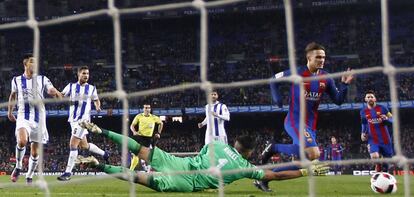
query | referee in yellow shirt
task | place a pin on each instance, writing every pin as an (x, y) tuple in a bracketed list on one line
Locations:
[(142, 128)]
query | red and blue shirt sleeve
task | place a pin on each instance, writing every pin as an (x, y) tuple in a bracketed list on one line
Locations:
[(388, 114), (338, 95), (277, 97), (364, 122)]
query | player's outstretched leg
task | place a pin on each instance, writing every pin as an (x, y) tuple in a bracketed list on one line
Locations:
[(92, 162), (66, 176), (272, 148), (22, 136), (132, 145), (95, 149)]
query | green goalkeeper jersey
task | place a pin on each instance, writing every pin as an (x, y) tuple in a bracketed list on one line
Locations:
[(225, 158)]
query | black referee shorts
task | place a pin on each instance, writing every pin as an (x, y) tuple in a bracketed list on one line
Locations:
[(143, 140)]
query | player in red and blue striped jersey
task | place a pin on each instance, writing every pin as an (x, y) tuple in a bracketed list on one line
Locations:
[(335, 153), (314, 90), (375, 120)]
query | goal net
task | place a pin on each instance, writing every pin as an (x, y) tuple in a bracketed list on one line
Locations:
[(121, 98)]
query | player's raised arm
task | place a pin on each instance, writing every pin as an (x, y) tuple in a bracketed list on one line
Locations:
[(347, 77), (274, 88), (337, 95)]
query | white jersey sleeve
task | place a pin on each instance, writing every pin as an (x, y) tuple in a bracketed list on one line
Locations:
[(95, 94), (14, 85), (225, 113), (66, 90), (47, 83)]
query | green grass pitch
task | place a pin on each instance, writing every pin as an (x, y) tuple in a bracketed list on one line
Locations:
[(344, 185)]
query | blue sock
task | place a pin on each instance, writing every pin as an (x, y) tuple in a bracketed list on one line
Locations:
[(288, 149), (129, 158)]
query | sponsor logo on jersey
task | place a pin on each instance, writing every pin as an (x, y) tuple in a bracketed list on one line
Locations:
[(312, 96), (375, 120)]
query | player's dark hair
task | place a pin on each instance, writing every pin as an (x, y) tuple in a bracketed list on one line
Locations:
[(313, 46), (370, 92), (83, 68), (27, 56), (246, 141)]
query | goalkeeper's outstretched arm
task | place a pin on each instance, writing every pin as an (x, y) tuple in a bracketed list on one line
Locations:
[(320, 169), (282, 175)]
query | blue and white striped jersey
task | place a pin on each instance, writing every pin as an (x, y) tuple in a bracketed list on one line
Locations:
[(81, 97), (217, 126), (24, 87)]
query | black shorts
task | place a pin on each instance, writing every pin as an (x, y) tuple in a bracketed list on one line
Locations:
[(143, 140)]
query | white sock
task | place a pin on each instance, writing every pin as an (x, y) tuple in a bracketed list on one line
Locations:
[(71, 160), (19, 156), (94, 149), (32, 166)]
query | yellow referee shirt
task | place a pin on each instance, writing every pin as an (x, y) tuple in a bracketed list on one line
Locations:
[(146, 124)]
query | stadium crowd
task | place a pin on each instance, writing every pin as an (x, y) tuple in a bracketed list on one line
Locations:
[(164, 52)]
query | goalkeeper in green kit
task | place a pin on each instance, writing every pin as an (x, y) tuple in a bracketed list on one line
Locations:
[(225, 158)]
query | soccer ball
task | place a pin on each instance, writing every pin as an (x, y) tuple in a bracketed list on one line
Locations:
[(384, 183)]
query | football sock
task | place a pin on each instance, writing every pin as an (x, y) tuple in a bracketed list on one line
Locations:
[(94, 149), (19, 156), (71, 160), (32, 166), (134, 162)]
